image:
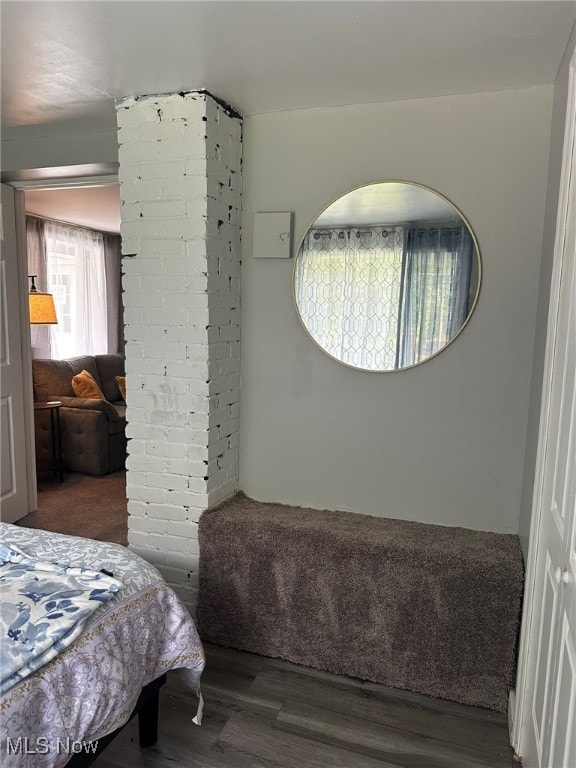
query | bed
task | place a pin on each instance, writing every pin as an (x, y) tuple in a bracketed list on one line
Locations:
[(55, 714)]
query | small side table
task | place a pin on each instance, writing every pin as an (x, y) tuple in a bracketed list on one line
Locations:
[(53, 407)]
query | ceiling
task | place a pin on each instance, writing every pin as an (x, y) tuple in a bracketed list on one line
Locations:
[(63, 63), (399, 201), (96, 207), (66, 62)]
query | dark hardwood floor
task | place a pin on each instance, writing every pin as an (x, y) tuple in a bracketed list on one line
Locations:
[(265, 713)]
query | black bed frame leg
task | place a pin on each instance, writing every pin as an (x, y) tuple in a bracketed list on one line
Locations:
[(148, 722), (147, 709)]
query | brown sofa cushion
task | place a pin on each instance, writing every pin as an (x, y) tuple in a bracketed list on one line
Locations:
[(110, 366), (53, 378)]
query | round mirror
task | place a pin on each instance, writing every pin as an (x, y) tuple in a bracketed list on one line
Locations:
[(387, 276)]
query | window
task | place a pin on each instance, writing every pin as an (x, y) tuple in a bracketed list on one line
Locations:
[(76, 277)]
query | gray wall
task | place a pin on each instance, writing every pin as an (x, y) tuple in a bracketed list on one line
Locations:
[(556, 146), (443, 442)]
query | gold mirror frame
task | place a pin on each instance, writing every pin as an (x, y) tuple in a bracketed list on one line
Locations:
[(420, 189)]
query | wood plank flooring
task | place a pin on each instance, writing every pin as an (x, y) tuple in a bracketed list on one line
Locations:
[(266, 713)]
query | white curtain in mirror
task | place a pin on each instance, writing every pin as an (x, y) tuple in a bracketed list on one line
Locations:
[(348, 290)]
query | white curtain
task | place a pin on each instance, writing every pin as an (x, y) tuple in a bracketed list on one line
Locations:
[(348, 292), (75, 268)]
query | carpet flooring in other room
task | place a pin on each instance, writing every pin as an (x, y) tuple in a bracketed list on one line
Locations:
[(91, 506), (267, 713)]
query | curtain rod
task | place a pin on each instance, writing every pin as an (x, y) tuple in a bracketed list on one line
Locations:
[(444, 223), (71, 224)]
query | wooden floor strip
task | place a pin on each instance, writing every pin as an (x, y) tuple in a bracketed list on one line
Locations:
[(268, 713), (399, 747), (247, 735), (423, 716)]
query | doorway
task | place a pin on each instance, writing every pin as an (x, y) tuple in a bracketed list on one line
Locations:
[(84, 505)]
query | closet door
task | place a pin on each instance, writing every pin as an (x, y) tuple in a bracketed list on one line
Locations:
[(553, 709), (552, 726), (560, 495)]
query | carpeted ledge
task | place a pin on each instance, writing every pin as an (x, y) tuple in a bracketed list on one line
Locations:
[(426, 608)]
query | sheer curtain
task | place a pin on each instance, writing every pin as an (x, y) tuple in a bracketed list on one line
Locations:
[(348, 291), (436, 286), (76, 277)]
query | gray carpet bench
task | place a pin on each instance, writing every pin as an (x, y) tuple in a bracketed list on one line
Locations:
[(426, 608)]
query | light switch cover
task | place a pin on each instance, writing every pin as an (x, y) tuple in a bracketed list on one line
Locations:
[(272, 235)]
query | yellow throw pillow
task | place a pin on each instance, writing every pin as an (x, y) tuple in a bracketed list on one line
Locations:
[(84, 385), (122, 385)]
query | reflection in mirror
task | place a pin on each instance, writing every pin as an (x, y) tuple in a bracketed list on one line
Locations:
[(387, 276)]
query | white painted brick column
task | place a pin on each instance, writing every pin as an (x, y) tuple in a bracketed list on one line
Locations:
[(180, 177)]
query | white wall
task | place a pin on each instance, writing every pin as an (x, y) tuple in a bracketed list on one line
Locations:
[(59, 144), (443, 442), (556, 147)]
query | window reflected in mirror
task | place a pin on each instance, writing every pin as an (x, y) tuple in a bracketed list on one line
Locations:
[(387, 276)]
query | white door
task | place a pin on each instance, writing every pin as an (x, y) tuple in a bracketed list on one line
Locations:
[(13, 470), (550, 740)]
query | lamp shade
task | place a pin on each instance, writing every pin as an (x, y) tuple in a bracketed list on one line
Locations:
[(42, 309)]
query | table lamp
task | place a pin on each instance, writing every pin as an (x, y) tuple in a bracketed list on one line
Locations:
[(41, 306)]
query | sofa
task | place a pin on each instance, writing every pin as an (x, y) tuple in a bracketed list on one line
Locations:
[(93, 432)]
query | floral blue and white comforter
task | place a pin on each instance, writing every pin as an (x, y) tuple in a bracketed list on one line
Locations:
[(89, 689), (44, 608)]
